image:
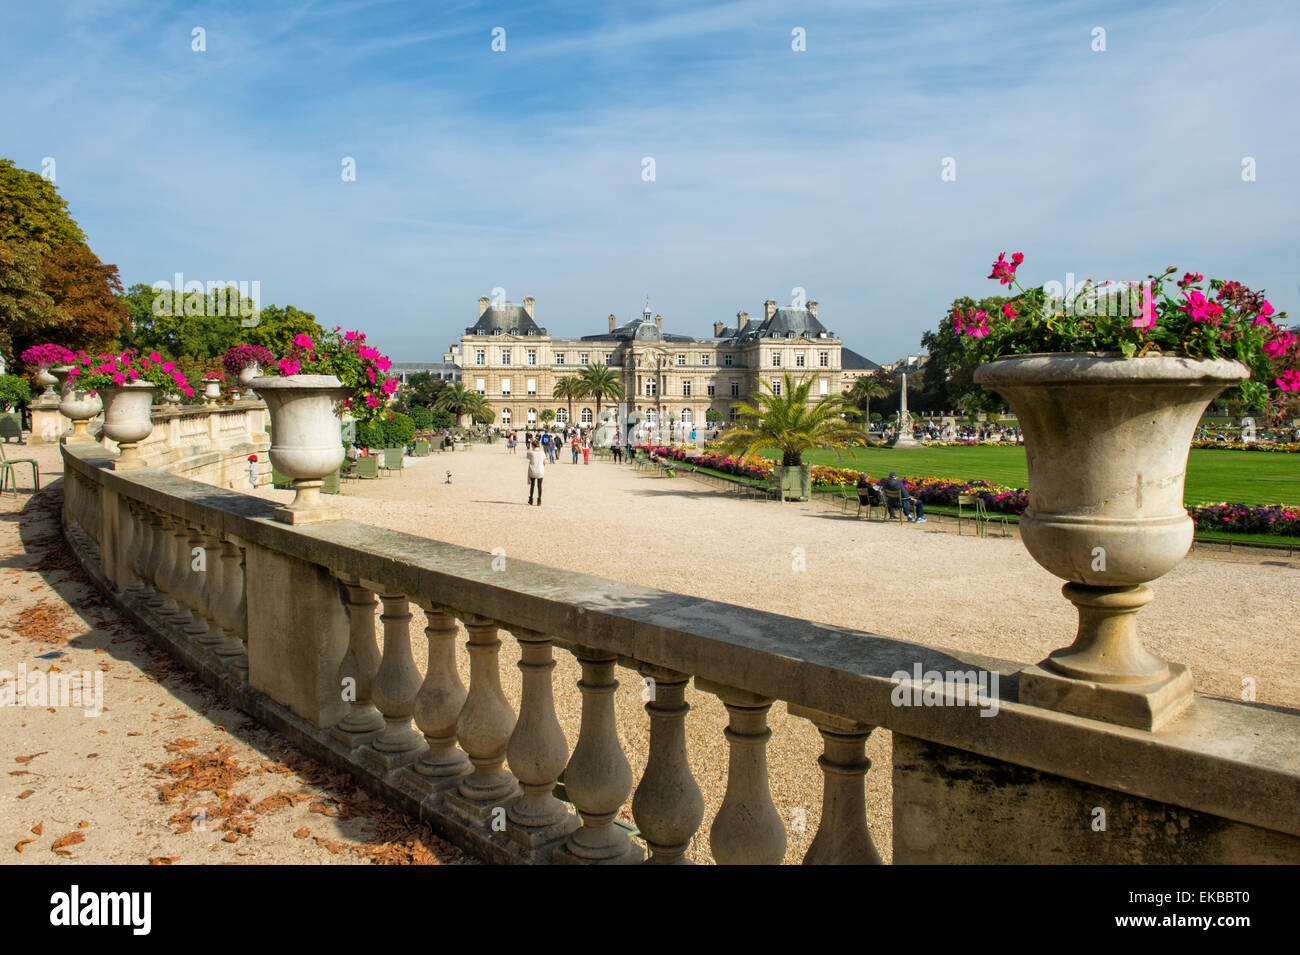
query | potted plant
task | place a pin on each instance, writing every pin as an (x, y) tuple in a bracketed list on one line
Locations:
[(212, 388), (128, 384), (319, 379), (785, 421), (1108, 389), (245, 362), (44, 357)]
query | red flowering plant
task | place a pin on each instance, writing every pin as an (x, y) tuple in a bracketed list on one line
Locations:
[(346, 356), (48, 355), (239, 357), (95, 372), (1221, 319)]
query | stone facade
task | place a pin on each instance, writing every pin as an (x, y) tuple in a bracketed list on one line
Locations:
[(515, 363)]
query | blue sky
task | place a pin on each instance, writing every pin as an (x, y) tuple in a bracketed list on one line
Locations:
[(774, 169)]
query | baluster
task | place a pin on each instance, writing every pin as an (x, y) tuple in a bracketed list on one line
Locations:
[(668, 806), (842, 836), (178, 567), (747, 829), (194, 584), (598, 777), (209, 588), (538, 750), (483, 728), (135, 550), (395, 685), (359, 666), (156, 560), (438, 705), (230, 608)]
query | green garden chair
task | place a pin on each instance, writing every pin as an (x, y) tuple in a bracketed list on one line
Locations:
[(11, 426), (331, 483), (894, 505), (978, 513), (367, 467), (7, 471), (864, 500), (393, 459), (421, 449)]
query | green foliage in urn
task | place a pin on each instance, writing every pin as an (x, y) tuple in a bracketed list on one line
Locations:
[(788, 423)]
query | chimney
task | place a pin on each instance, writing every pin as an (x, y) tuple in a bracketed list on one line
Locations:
[(812, 308), (612, 321), (659, 322), (769, 309), (742, 320), (482, 305), (717, 329), (528, 306)]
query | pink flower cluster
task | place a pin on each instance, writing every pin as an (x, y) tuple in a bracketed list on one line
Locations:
[(974, 323), (1005, 271), (104, 369), (1200, 308), (48, 354)]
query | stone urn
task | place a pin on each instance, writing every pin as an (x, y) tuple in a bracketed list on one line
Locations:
[(128, 421), (211, 390), (77, 405), (305, 438), (248, 373), (1106, 438), (44, 377)]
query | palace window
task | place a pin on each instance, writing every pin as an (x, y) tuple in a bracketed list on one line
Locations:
[(505, 386), (686, 389), (505, 356), (776, 359), (582, 358), (585, 417), (559, 358), (480, 356), (824, 359), (726, 360), (561, 415), (776, 387), (681, 360), (532, 356), (799, 360), (686, 416), (735, 389), (609, 358), (711, 388), (651, 388), (532, 415), (532, 386), (733, 414), (480, 385), (704, 359), (821, 385)]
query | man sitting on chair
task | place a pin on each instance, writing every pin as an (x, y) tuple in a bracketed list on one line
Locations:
[(893, 484)]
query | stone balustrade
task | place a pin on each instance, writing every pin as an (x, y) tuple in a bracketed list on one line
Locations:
[(1220, 785)]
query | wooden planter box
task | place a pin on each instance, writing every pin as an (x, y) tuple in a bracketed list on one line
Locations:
[(792, 483)]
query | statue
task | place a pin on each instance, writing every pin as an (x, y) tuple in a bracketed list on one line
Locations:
[(903, 438)]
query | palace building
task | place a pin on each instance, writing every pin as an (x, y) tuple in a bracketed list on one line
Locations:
[(668, 379)]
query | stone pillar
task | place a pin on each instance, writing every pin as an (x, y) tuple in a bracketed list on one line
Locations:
[(196, 583), (155, 566), (438, 705), (175, 611), (230, 608), (668, 806), (748, 829), (483, 728), (297, 634), (357, 670), (598, 777), (842, 837), (537, 751), (211, 588), (396, 682)]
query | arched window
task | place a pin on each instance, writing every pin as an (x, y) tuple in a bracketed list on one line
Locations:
[(561, 415), (651, 417), (686, 416), (505, 415), (532, 416), (585, 417)]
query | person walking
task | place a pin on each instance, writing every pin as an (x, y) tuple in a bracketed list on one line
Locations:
[(576, 447), (586, 450), (536, 471)]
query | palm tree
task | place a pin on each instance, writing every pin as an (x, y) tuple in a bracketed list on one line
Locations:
[(600, 381), (568, 388), (788, 423), (857, 399), (459, 400)]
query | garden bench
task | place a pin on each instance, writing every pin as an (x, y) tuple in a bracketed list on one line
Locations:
[(7, 471)]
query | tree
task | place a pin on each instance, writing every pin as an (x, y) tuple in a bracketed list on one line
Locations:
[(857, 400), (566, 389), (176, 324), (421, 390), (788, 423), (277, 326), (28, 316), (712, 415), (32, 212), (945, 379), (459, 401), (547, 416), (88, 293), (600, 381)]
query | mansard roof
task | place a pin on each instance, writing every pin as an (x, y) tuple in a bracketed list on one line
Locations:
[(787, 322), (508, 319)]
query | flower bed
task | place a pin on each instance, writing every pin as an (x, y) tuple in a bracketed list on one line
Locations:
[(1288, 447), (1223, 518)]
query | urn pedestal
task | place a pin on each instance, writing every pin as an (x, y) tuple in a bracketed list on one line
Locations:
[(78, 406), (1106, 440), (305, 441)]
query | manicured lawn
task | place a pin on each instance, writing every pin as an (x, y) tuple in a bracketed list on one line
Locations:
[(1242, 477)]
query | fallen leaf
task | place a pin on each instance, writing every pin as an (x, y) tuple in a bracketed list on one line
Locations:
[(163, 860), (231, 837), (302, 833), (36, 829), (71, 839), (28, 759), (25, 842), (25, 793)]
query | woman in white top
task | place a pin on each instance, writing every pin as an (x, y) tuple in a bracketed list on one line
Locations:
[(536, 471)]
